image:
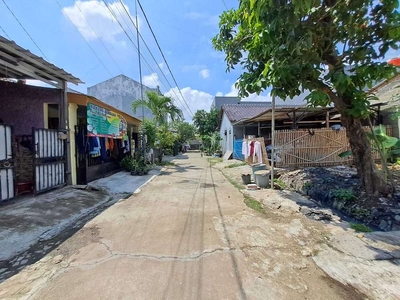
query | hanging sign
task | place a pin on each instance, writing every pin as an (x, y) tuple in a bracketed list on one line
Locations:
[(102, 122)]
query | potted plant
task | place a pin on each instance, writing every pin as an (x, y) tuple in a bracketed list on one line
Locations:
[(134, 168), (127, 163)]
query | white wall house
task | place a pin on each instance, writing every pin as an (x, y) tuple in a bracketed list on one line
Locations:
[(226, 133)]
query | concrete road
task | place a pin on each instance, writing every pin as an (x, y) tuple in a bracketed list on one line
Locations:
[(186, 235)]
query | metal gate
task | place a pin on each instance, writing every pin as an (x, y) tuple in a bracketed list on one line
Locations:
[(6, 163), (49, 161)]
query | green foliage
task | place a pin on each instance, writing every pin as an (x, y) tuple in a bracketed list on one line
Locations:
[(360, 227), (149, 127), (279, 183), (162, 107), (206, 123), (344, 195), (305, 45), (127, 163), (235, 165), (307, 185), (253, 204), (214, 160), (166, 137), (211, 143), (185, 131)]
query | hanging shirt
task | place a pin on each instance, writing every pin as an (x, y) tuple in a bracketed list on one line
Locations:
[(245, 149), (257, 152)]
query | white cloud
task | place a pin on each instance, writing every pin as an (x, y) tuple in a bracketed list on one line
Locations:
[(205, 73), (151, 80), (195, 99), (219, 94), (93, 17)]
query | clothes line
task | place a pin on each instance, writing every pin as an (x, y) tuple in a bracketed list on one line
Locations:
[(254, 151)]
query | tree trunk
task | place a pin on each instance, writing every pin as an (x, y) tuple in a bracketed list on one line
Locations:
[(370, 179)]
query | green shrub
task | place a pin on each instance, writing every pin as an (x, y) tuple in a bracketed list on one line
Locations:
[(344, 195)]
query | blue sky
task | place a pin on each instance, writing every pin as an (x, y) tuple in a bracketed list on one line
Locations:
[(184, 30)]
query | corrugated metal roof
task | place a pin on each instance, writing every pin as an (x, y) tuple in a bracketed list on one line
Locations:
[(237, 112), (19, 63)]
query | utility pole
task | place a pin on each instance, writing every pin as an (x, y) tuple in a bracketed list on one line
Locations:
[(272, 141), (140, 80)]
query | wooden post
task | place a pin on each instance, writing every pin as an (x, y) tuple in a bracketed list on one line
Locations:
[(259, 129), (327, 119), (272, 141)]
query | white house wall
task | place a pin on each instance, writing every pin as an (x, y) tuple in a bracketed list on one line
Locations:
[(227, 140)]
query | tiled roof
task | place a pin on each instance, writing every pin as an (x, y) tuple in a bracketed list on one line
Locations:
[(237, 112)]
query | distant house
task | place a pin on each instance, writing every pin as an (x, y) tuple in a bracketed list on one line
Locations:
[(120, 91)]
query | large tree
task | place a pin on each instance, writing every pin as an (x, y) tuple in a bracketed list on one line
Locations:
[(333, 48), (185, 131), (161, 106), (206, 122)]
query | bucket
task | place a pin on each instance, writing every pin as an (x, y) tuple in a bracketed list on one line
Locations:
[(262, 178), (246, 178), (256, 168)]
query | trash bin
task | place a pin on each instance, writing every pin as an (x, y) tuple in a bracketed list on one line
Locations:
[(257, 168), (262, 178)]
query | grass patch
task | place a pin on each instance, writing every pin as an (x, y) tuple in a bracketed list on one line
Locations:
[(344, 195), (360, 227), (164, 163), (235, 165), (214, 160), (280, 184), (253, 204)]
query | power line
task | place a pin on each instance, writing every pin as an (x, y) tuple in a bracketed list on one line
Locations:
[(137, 29), (149, 67), (159, 48), (15, 17), (5, 33), (76, 3), (223, 1), (87, 43)]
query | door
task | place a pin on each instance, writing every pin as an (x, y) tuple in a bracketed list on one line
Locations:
[(6, 163), (49, 161)]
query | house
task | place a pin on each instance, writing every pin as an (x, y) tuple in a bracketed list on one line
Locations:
[(119, 92), (42, 128), (387, 106)]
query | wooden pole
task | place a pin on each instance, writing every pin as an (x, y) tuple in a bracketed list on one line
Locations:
[(272, 141)]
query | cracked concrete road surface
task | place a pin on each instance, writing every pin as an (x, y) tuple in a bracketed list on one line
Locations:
[(186, 235)]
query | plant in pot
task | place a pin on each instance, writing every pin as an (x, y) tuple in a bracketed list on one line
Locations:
[(141, 166), (127, 163), (134, 168)]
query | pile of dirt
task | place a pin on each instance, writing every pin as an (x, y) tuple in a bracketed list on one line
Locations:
[(338, 187)]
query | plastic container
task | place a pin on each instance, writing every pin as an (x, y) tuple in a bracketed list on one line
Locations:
[(256, 168), (246, 178), (262, 178)]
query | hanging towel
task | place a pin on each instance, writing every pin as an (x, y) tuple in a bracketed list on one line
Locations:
[(248, 148), (257, 152), (251, 148)]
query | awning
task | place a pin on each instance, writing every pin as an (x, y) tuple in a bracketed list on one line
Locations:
[(19, 63), (286, 113)]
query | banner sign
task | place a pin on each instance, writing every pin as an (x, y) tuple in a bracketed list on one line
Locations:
[(102, 122)]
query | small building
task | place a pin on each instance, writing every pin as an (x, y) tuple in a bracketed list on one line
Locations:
[(50, 137)]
